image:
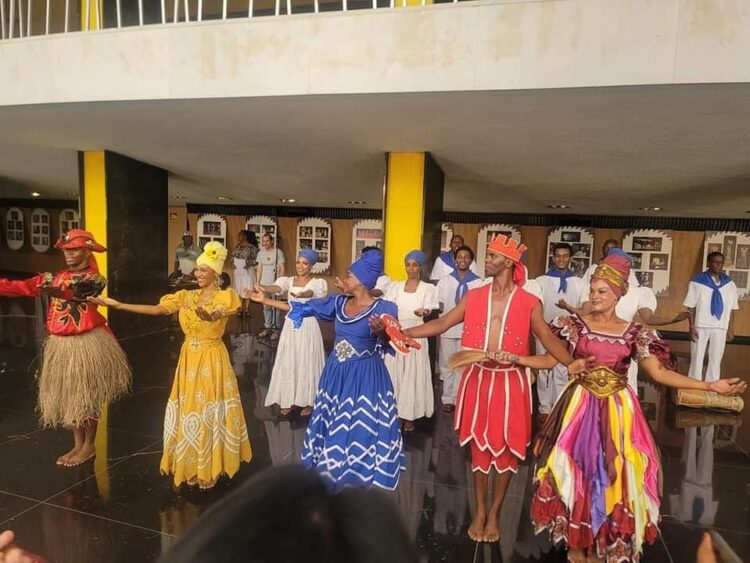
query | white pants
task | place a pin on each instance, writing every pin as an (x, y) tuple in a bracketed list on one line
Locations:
[(549, 384), (713, 339), (449, 377)]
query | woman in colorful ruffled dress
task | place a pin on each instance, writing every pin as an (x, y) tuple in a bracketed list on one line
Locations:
[(353, 437), (205, 435), (597, 464), (411, 373), (300, 356)]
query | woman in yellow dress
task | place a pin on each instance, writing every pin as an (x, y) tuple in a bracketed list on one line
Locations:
[(205, 435)]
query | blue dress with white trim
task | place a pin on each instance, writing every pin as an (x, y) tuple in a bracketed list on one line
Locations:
[(353, 437)]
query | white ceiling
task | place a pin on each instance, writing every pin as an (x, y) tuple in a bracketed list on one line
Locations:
[(600, 150)]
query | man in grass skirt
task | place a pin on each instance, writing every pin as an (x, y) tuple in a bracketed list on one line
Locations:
[(83, 367)]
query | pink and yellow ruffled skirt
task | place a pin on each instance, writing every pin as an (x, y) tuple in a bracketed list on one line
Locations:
[(597, 476)]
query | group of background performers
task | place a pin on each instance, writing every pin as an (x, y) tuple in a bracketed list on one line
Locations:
[(596, 487)]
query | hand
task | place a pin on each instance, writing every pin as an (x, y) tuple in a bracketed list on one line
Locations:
[(338, 284), (564, 305), (693, 334), (105, 302), (730, 335), (422, 312), (256, 296), (52, 291), (11, 553), (577, 368), (376, 324), (730, 386)]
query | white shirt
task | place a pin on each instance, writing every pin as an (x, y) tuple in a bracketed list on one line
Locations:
[(446, 290), (699, 298), (383, 283), (269, 261), (441, 269), (318, 286), (425, 297), (634, 300), (550, 296)]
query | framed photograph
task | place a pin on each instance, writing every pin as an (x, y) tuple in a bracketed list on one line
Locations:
[(647, 243), (305, 243), (36, 218), (636, 260), (202, 241), (742, 260), (321, 244), (211, 228), (323, 256), (321, 232), (658, 262), (581, 250), (306, 232), (739, 278), (35, 241), (730, 247), (579, 266), (570, 236), (714, 248), (646, 279), (36, 229)]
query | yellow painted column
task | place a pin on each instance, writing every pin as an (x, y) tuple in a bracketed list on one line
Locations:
[(412, 209), (95, 10), (94, 203)]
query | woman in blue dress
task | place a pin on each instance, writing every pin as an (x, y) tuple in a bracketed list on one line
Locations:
[(353, 437)]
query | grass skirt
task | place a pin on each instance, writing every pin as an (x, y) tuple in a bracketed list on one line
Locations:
[(598, 475), (79, 375)]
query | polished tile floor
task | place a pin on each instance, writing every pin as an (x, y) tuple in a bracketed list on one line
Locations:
[(120, 509)]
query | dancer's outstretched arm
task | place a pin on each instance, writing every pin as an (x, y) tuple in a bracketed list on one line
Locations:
[(439, 326), (258, 296), (152, 310), (660, 374)]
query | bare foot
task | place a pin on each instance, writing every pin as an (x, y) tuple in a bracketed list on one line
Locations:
[(307, 411), (81, 456), (476, 528), (576, 556), (64, 459), (491, 529)]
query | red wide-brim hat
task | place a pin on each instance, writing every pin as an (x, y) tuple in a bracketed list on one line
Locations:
[(76, 238)]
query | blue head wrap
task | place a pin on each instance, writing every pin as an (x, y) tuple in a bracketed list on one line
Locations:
[(417, 255), (309, 254), (368, 268)]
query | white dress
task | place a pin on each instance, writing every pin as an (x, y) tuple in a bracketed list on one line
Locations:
[(243, 278), (411, 374), (300, 356)]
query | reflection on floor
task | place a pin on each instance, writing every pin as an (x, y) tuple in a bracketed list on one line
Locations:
[(121, 509)]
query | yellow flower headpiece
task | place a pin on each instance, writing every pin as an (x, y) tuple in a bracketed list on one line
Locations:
[(214, 255)]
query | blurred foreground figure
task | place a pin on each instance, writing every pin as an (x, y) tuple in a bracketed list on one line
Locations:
[(288, 514)]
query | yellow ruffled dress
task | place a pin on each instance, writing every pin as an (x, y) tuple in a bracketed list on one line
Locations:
[(205, 434)]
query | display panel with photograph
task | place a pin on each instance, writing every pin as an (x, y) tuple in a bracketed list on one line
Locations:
[(262, 225), (316, 234), (446, 234), (650, 253), (40, 239), (212, 227), (581, 242), (368, 232), (735, 246), (14, 228)]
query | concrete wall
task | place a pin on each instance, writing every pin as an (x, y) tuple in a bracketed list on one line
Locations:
[(484, 45)]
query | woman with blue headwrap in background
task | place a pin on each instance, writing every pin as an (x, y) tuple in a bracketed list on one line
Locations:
[(353, 436), (411, 374), (300, 356)]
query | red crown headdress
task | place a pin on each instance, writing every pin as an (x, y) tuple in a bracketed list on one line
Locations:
[(507, 247)]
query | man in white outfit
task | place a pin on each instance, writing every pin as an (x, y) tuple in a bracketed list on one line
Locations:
[(711, 301), (446, 262), (559, 284), (451, 288)]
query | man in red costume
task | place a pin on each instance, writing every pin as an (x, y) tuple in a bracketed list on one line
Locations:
[(493, 406), (83, 367)]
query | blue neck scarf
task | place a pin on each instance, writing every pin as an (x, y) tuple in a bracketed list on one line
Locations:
[(717, 302), (448, 258), (555, 273), (463, 283)]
